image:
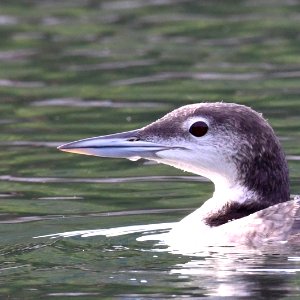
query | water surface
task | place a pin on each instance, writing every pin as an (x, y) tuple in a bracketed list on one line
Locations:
[(75, 69)]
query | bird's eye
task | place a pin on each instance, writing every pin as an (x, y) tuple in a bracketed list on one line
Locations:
[(199, 129)]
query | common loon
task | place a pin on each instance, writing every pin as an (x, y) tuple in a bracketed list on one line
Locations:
[(234, 147)]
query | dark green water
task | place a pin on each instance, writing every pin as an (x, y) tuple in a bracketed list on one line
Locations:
[(75, 69)]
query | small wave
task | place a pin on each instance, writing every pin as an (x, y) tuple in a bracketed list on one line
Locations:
[(110, 232), (101, 180), (76, 102)]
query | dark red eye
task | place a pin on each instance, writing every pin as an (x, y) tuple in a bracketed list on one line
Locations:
[(199, 129)]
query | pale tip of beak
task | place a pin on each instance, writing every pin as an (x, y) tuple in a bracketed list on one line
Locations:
[(74, 150), (67, 148)]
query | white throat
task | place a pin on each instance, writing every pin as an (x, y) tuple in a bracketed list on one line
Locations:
[(222, 173), (225, 195), (222, 197)]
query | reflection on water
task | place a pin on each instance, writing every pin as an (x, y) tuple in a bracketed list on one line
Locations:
[(216, 271), (207, 76), (94, 103), (71, 69), (116, 231), (231, 269)]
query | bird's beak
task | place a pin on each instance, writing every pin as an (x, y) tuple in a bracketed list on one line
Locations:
[(119, 145)]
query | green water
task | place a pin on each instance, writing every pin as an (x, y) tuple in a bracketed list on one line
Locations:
[(75, 69)]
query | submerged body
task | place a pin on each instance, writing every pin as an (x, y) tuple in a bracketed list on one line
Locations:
[(237, 150)]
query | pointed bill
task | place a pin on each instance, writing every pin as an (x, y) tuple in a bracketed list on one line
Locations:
[(119, 145)]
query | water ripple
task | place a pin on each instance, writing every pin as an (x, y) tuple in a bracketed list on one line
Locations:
[(76, 102), (206, 76), (30, 144), (109, 232), (13, 219), (187, 75), (20, 84), (113, 65), (16, 54), (101, 180)]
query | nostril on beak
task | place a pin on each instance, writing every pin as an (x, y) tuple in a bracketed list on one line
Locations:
[(133, 139)]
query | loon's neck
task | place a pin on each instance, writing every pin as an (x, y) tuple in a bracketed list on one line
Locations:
[(230, 204), (231, 201), (256, 181)]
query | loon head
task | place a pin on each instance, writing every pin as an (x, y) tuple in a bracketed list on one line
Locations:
[(230, 144)]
